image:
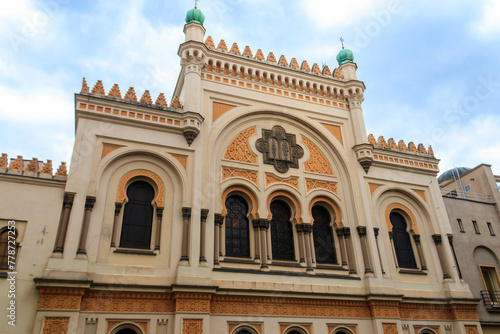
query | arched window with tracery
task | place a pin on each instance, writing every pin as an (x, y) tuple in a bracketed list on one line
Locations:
[(237, 227), (281, 231), (324, 245), (138, 216), (401, 241)]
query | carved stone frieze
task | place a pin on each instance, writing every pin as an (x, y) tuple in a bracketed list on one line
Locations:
[(317, 162), (239, 148)]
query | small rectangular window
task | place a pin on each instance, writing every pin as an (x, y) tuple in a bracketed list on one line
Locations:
[(476, 228), (490, 228), (460, 225)]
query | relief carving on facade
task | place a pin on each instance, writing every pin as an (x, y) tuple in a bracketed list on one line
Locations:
[(390, 328), (192, 326), (55, 325), (219, 109), (127, 302), (122, 194), (279, 149), (60, 299), (234, 172), (239, 148), (197, 303), (271, 179), (317, 162), (471, 329), (317, 184), (391, 207)]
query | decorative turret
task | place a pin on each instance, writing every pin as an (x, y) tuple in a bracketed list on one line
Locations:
[(347, 67), (194, 29)]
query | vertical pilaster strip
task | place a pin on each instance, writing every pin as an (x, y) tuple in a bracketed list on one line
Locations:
[(350, 254), (343, 252), (264, 225), (118, 209), (159, 217), (218, 219), (416, 238), (89, 205), (307, 233), (256, 229), (311, 244), (376, 230), (450, 240), (186, 216), (439, 245), (364, 249), (203, 233), (63, 226), (300, 235)]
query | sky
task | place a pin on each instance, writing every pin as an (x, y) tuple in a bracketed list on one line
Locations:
[(431, 68)]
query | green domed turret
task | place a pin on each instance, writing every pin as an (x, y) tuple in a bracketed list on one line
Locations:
[(345, 56), (195, 15)]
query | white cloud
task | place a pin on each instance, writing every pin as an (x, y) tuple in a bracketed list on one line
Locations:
[(490, 21), (327, 13), (45, 105)]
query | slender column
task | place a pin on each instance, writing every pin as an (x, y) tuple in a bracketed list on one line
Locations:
[(343, 256), (218, 219), (159, 217), (203, 232), (364, 249), (416, 238), (300, 235), (89, 205), (311, 243), (307, 238), (350, 255), (444, 265), (255, 223), (393, 250), (186, 216), (450, 240), (63, 226), (118, 208), (264, 225), (375, 230)]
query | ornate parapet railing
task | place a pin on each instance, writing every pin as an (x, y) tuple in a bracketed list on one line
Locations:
[(32, 168)]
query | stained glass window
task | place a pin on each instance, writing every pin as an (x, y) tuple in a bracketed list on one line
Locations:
[(237, 227), (281, 232), (402, 243), (138, 216), (324, 246)]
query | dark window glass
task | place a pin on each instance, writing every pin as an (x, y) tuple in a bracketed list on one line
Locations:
[(402, 243), (237, 227), (243, 331), (126, 331), (294, 332), (138, 216), (281, 232), (4, 255), (324, 247)]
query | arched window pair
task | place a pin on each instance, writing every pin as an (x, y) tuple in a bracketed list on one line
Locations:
[(237, 228)]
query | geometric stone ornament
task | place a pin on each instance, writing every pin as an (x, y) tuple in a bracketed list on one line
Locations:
[(279, 149)]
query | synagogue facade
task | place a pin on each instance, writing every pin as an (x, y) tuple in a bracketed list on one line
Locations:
[(255, 202)]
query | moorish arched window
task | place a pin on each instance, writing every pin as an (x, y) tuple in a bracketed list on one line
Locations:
[(324, 246), (281, 231), (402, 242), (138, 216), (126, 331), (237, 227)]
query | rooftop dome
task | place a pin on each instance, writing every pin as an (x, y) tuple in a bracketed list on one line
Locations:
[(453, 173), (345, 56), (195, 15)]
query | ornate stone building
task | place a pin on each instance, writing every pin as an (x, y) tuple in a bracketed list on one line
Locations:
[(254, 203)]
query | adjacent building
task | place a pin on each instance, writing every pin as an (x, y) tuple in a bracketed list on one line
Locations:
[(472, 200)]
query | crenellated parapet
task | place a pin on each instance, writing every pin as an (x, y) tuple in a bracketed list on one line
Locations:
[(277, 75), (130, 96), (32, 168), (400, 146), (399, 153)]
